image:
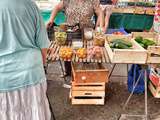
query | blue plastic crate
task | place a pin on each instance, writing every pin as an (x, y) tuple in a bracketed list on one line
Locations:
[(110, 31)]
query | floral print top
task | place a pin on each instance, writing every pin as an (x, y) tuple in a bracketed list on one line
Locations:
[(157, 17), (80, 12)]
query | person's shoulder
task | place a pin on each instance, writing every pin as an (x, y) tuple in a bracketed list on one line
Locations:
[(95, 1)]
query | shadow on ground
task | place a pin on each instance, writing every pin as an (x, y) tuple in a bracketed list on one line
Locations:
[(116, 95)]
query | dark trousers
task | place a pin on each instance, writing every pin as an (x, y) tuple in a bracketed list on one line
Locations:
[(67, 66)]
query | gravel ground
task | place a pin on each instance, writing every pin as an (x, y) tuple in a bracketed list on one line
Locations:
[(116, 95)]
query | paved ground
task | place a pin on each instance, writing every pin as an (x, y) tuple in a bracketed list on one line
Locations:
[(116, 95)]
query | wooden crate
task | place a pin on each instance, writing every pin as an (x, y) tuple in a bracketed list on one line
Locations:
[(149, 35), (117, 10), (88, 93), (88, 86), (123, 10), (150, 11), (154, 90), (139, 10), (153, 52), (129, 10), (89, 73), (135, 55)]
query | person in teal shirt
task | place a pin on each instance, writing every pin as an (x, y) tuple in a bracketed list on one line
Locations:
[(23, 43)]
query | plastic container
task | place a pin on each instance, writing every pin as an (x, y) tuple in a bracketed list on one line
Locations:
[(88, 33), (111, 31)]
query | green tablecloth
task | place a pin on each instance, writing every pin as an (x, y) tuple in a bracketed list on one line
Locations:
[(60, 17), (117, 20), (131, 21)]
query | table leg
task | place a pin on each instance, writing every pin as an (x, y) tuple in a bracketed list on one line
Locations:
[(62, 69), (146, 106), (114, 65), (65, 85), (127, 69), (126, 103)]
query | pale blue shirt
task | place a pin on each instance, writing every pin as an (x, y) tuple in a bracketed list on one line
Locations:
[(22, 36)]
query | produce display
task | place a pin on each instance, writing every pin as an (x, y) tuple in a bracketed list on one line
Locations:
[(142, 4), (82, 53), (99, 39), (144, 42), (120, 44), (63, 27), (60, 38), (66, 53), (118, 33), (95, 52)]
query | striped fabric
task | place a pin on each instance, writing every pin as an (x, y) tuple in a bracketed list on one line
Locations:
[(28, 103)]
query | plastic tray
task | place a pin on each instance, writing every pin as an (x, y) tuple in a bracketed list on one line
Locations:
[(110, 31)]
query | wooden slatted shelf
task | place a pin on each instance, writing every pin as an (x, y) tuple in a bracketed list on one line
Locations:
[(53, 54)]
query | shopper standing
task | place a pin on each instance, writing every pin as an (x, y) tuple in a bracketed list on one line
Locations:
[(23, 43)]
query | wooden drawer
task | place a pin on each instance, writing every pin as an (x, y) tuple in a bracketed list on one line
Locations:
[(89, 73), (88, 97)]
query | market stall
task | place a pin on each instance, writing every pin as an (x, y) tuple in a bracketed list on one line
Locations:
[(137, 16), (117, 20), (136, 48)]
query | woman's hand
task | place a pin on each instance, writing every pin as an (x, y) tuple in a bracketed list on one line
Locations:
[(50, 24)]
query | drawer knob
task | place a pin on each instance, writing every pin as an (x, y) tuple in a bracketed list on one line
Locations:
[(84, 78)]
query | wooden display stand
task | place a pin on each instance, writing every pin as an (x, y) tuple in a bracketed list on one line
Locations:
[(136, 54), (88, 84), (153, 52)]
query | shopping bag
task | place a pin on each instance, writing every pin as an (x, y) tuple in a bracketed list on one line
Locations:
[(133, 75)]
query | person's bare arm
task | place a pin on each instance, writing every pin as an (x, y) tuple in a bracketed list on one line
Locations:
[(56, 9), (44, 54), (107, 17), (100, 19)]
